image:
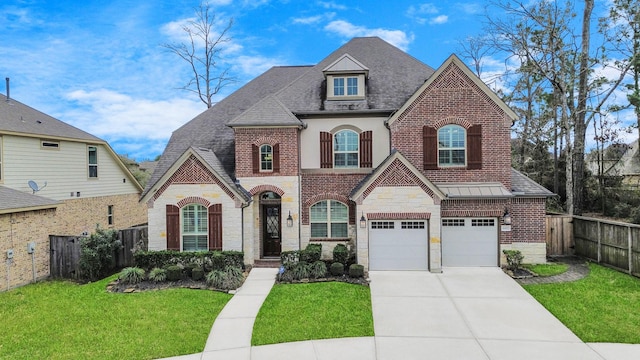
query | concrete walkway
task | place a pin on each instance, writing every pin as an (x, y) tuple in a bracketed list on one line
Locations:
[(463, 313)]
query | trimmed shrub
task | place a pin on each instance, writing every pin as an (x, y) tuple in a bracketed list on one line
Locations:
[(189, 268), (341, 254), (356, 271), (228, 279), (318, 270), (204, 259), (289, 258), (131, 275), (312, 253), (514, 259), (300, 270), (174, 273), (284, 275), (197, 274), (337, 269), (215, 278), (158, 275), (96, 253)]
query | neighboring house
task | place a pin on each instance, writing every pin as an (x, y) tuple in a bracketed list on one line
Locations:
[(55, 179), (619, 161), (407, 165)]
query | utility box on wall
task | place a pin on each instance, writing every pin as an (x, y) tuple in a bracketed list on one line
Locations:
[(31, 247), (10, 254)]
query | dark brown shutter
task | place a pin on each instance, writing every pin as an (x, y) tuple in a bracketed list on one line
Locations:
[(366, 149), (474, 147), (429, 148), (255, 156), (215, 227), (173, 227), (326, 150), (276, 158)]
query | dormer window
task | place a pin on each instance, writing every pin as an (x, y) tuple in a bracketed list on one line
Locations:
[(346, 79)]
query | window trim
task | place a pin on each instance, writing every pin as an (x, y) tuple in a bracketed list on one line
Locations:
[(109, 214), (263, 162), (328, 222), (346, 152), (89, 164), (451, 149), (184, 233), (360, 84)]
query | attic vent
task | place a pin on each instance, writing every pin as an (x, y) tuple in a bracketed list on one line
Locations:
[(203, 149), (52, 145)]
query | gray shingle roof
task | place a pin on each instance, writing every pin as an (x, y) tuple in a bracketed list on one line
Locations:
[(14, 201), (393, 77), (270, 111), (521, 185), (212, 160), (19, 118)]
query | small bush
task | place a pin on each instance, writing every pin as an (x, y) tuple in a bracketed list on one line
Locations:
[(228, 279), (174, 273), (337, 269), (208, 260), (189, 268), (96, 253), (312, 253), (284, 275), (300, 270), (341, 254), (215, 278), (356, 271), (514, 259), (318, 270), (197, 274), (289, 258), (158, 275), (131, 275)]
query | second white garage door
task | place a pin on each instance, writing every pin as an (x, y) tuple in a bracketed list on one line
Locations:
[(398, 245), (469, 242)]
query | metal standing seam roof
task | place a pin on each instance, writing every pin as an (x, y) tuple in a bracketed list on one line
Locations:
[(15, 201), (474, 190)]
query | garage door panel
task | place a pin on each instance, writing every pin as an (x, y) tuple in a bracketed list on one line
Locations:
[(398, 248), (470, 242)]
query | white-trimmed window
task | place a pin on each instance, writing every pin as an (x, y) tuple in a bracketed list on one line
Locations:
[(329, 219), (345, 149), (345, 87), (110, 214), (194, 228), (93, 161), (451, 146), (266, 158)]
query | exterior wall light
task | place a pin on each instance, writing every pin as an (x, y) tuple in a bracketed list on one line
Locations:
[(506, 217), (289, 220), (363, 221)]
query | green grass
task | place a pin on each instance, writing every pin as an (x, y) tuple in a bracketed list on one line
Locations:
[(296, 312), (64, 320), (549, 269), (602, 307)]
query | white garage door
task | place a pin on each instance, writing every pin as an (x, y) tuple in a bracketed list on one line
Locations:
[(469, 242), (398, 245)]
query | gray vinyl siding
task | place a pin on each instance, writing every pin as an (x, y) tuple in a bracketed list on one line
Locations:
[(64, 169)]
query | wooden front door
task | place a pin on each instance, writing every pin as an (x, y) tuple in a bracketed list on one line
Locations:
[(271, 238)]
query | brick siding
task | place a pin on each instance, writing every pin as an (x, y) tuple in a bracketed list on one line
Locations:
[(286, 137)]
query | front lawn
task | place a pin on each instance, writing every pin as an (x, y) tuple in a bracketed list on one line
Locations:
[(548, 269), (603, 307), (64, 320), (296, 312)]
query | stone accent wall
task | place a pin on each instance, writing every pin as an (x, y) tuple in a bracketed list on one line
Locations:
[(453, 98), (289, 150), (534, 253), (16, 231)]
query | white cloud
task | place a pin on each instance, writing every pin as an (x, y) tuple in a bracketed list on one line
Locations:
[(440, 19), (345, 29), (469, 8), (426, 13), (255, 65), (332, 5), (314, 19)]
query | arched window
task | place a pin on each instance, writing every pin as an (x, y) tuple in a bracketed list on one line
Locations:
[(266, 158), (329, 219), (194, 228), (451, 146), (345, 149)]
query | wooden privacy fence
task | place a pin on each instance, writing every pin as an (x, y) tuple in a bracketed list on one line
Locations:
[(559, 235), (609, 242), (65, 251)]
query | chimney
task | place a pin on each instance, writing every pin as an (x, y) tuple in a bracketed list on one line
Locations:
[(7, 89)]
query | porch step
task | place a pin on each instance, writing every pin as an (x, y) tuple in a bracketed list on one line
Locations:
[(267, 263)]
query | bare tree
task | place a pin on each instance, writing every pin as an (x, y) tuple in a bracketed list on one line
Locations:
[(203, 53)]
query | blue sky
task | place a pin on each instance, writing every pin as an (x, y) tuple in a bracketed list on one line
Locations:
[(99, 65)]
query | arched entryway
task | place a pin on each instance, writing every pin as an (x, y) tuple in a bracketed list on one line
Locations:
[(271, 220)]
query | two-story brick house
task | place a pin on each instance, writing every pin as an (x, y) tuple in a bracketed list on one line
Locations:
[(408, 165)]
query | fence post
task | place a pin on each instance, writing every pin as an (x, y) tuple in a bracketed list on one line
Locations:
[(630, 242), (599, 243)]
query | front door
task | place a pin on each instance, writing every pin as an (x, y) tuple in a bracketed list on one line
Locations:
[(271, 230)]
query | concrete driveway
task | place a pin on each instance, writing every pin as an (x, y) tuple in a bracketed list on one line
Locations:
[(465, 313)]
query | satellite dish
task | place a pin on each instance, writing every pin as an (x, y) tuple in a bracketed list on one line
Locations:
[(34, 186)]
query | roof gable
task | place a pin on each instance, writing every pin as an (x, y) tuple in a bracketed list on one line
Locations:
[(346, 64), (268, 112), (453, 81), (395, 170)]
